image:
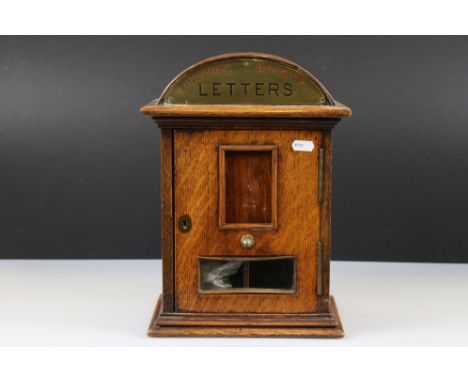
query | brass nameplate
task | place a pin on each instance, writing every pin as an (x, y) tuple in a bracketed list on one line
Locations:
[(245, 81)]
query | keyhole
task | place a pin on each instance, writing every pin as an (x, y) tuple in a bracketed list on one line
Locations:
[(185, 223)]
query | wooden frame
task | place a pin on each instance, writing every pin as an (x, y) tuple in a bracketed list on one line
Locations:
[(167, 218), (336, 111), (303, 232), (321, 325), (167, 321), (196, 185), (293, 290), (222, 187), (325, 222)]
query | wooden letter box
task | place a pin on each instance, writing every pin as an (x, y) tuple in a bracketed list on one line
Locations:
[(246, 185)]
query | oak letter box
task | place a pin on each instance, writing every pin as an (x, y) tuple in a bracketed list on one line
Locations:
[(246, 177)]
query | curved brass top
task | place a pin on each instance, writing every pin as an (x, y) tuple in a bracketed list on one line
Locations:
[(245, 84)]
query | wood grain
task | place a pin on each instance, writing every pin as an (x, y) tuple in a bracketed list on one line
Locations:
[(196, 187), (325, 221), (326, 325), (167, 219), (300, 111), (248, 186), (225, 197)]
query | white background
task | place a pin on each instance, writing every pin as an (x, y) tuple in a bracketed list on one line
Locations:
[(110, 303), (234, 17), (76, 303)]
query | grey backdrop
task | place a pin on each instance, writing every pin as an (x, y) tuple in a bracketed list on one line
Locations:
[(79, 166)]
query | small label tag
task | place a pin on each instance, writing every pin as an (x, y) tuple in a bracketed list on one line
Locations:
[(307, 146)]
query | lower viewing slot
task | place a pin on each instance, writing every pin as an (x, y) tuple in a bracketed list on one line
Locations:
[(248, 275)]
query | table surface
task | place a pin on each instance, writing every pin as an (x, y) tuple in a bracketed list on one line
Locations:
[(110, 303)]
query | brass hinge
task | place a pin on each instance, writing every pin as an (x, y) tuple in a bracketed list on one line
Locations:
[(320, 174), (319, 267)]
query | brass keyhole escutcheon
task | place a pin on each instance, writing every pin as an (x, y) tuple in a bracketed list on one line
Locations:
[(247, 241), (185, 224)]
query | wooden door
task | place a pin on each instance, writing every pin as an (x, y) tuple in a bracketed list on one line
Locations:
[(232, 183)]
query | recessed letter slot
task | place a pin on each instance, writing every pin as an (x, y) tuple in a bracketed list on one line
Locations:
[(248, 275)]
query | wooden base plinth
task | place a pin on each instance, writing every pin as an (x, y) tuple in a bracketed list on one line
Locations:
[(320, 325)]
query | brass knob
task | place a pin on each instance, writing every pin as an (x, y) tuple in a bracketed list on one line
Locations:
[(247, 241)]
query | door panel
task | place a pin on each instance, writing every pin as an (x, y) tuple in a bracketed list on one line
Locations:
[(267, 190), (247, 186)]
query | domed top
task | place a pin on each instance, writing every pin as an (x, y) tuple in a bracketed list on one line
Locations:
[(244, 79)]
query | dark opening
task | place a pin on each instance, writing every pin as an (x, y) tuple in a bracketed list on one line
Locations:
[(247, 274)]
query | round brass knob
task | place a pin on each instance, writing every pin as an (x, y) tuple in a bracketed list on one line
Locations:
[(247, 241)]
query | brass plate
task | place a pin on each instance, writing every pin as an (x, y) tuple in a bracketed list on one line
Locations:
[(245, 81)]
